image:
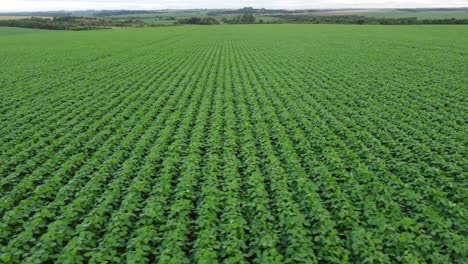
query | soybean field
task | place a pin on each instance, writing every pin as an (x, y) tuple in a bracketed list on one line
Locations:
[(234, 144)]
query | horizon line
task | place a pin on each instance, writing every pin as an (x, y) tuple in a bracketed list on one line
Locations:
[(201, 8)]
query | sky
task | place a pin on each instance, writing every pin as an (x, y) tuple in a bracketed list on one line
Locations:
[(49, 5)]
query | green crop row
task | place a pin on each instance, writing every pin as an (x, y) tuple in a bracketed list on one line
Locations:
[(234, 144)]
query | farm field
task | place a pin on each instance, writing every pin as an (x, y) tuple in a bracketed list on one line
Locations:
[(234, 144), (8, 31), (20, 17)]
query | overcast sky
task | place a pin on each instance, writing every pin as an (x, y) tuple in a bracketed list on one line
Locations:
[(40, 5)]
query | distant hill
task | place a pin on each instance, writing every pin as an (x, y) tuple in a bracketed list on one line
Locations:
[(249, 10), (39, 14), (402, 12)]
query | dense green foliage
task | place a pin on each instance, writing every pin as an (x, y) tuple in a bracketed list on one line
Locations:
[(241, 19), (198, 21), (141, 18), (419, 13), (70, 23), (104, 19), (238, 19), (354, 19), (235, 144), (286, 18)]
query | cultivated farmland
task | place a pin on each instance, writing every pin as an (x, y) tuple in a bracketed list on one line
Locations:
[(235, 144)]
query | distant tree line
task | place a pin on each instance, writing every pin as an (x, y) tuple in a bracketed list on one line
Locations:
[(248, 10), (361, 20), (70, 23), (198, 21), (239, 19), (308, 19), (86, 23)]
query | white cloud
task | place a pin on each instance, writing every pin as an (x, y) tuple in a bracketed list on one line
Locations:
[(36, 5)]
